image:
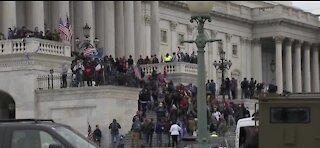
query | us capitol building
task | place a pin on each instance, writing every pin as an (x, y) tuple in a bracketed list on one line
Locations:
[(269, 41)]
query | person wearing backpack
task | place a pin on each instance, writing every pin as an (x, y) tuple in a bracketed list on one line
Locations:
[(114, 127), (136, 129)]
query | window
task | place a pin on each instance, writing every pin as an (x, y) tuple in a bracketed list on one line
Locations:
[(180, 39), (163, 36), (32, 139), (234, 50), (290, 115)]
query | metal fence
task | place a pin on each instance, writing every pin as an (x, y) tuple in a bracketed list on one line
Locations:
[(54, 81)]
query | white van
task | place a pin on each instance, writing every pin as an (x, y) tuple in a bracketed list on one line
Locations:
[(244, 126)]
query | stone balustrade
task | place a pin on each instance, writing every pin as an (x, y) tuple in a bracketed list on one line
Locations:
[(32, 45), (290, 13), (261, 13), (171, 68)]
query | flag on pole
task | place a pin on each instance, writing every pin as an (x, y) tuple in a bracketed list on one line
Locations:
[(69, 27), (65, 29)]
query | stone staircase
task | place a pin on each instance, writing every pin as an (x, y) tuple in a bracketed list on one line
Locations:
[(127, 138), (228, 140)]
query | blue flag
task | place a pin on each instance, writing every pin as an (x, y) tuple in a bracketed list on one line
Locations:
[(99, 54)]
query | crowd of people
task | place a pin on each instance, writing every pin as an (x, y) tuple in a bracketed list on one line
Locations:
[(110, 71), (179, 57), (176, 105), (24, 32)]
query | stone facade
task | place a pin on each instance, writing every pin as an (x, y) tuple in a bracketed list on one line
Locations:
[(253, 34)]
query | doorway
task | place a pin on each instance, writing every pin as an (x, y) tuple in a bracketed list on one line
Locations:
[(7, 106)]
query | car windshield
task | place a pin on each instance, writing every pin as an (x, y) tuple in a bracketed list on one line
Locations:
[(76, 139)]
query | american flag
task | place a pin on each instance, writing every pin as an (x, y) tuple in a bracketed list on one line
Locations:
[(65, 30), (90, 52)]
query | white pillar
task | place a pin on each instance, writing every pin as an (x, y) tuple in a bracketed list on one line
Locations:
[(137, 29), (88, 17), (148, 36), (129, 29), (229, 46), (306, 68), (100, 23), (297, 83), (35, 15), (109, 22), (64, 9), (243, 57), (279, 74), (8, 16), (248, 61), (59, 9), (257, 60), (288, 65), (174, 43), (120, 51), (155, 29), (315, 69), (190, 30)]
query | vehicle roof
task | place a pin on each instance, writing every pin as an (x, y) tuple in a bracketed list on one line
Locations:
[(247, 122), (311, 95), (31, 124)]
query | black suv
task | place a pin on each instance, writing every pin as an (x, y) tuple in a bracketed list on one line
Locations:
[(37, 133)]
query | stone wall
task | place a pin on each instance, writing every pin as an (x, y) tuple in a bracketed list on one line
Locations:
[(94, 105)]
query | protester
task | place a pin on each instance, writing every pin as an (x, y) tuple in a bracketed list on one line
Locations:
[(114, 130)]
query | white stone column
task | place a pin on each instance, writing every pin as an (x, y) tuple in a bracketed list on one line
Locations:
[(229, 47), (306, 68), (8, 16), (99, 22), (257, 60), (315, 69), (59, 9), (35, 15), (288, 65), (64, 9), (155, 29), (297, 83), (243, 58), (279, 74), (88, 17), (148, 36), (174, 43), (129, 29), (190, 30), (119, 18), (248, 60), (109, 28), (138, 29)]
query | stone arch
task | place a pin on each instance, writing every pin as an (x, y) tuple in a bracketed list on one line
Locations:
[(7, 106)]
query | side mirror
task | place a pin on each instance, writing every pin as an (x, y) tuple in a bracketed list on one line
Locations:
[(55, 146)]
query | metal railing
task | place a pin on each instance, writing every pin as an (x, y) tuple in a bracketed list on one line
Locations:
[(54, 81)]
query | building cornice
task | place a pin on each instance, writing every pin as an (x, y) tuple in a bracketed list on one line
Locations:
[(183, 6), (278, 21)]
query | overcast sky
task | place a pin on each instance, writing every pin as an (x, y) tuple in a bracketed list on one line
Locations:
[(309, 6)]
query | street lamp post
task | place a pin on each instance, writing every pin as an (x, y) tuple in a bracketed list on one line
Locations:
[(222, 65), (86, 42), (200, 13)]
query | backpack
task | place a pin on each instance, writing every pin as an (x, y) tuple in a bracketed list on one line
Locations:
[(114, 128), (136, 126)]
